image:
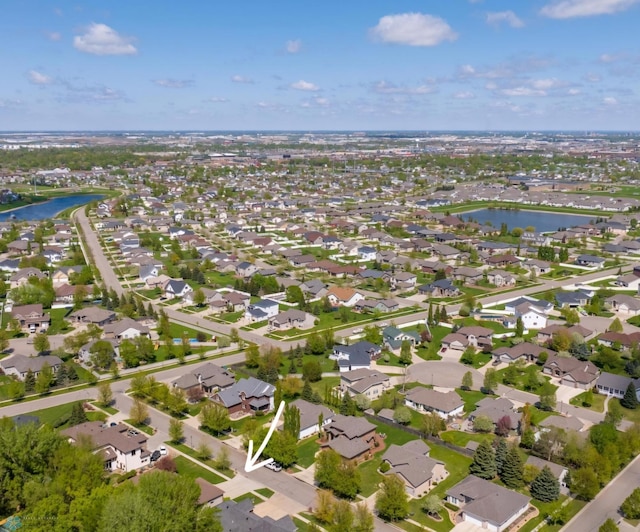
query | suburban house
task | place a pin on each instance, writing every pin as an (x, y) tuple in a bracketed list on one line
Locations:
[(545, 335), (175, 288), (311, 416), (19, 365), (125, 329), (209, 377), (495, 409), (526, 351), (239, 516), (590, 261), (95, 315), (487, 505), (210, 494), (616, 385), (393, 337), (439, 288), (412, 464), (85, 354), (356, 356), (246, 396), (501, 278), (368, 382), (351, 437), (31, 317), (559, 471), (377, 305), (261, 310), (340, 296), (446, 405), (474, 336), (571, 371), (623, 304), (573, 299), (291, 319), (544, 307), (121, 450)]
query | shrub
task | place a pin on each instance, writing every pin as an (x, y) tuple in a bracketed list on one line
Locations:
[(384, 467)]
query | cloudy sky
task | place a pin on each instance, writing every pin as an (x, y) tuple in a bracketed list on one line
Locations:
[(349, 64)]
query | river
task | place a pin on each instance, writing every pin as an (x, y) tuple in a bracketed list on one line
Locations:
[(48, 209)]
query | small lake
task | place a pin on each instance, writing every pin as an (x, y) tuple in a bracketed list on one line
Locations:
[(48, 209), (542, 221)]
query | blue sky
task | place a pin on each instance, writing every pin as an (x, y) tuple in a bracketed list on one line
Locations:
[(353, 64)]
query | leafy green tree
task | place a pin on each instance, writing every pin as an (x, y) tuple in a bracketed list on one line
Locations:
[(402, 415), (215, 417), (484, 461), (291, 424), (198, 297), (362, 519), (631, 505), (584, 483), (547, 397), (160, 501), (405, 352), (616, 326), (105, 395), (101, 354), (15, 389), (512, 469), (609, 526), (545, 487), (44, 380), (327, 463), (519, 327), (312, 371), (432, 504), (630, 399), (614, 413), (482, 424), (176, 430), (139, 413), (283, 448), (41, 343), (468, 356), (392, 503), (467, 381), (252, 356), (490, 380), (315, 344)]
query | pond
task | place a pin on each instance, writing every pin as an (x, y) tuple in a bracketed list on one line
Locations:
[(48, 209), (542, 221)]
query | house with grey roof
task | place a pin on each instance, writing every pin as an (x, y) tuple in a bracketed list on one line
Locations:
[(356, 356), (623, 304), (247, 396), (445, 404), (291, 319), (616, 385), (559, 471), (368, 382), (19, 365), (120, 449), (312, 417), (487, 505), (393, 337), (261, 310), (495, 409), (209, 376), (239, 517), (125, 329), (95, 315), (411, 462), (351, 437)]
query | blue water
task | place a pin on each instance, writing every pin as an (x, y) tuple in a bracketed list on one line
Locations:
[(541, 221), (49, 209), (178, 341)]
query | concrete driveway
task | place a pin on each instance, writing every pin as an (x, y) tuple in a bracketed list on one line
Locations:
[(442, 373)]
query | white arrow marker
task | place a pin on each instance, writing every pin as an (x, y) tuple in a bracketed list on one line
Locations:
[(250, 464)]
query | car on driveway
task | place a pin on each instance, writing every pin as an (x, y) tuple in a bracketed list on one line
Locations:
[(274, 466), (155, 455), (163, 450)]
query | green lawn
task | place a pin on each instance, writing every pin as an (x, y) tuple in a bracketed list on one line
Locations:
[(307, 451), (431, 351), (265, 492), (369, 476), (187, 468), (256, 500), (394, 434), (629, 415), (521, 378), (58, 324), (548, 508), (461, 439), (58, 416), (471, 397), (319, 386), (190, 452), (144, 428)]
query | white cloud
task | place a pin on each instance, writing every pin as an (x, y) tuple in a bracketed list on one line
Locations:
[(53, 35), (585, 8), (464, 95), (303, 85), (547, 84), (383, 87), (574, 92), (100, 39), (170, 83), (293, 47), (38, 78), (509, 17), (241, 79), (609, 100), (413, 29), (521, 91), (218, 99)]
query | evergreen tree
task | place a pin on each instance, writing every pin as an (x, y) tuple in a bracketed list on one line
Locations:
[(29, 381), (501, 454), (348, 407), (630, 399), (292, 421), (77, 415), (307, 391), (545, 487), (484, 461), (512, 469), (430, 314)]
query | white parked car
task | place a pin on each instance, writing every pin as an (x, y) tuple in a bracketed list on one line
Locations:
[(274, 466), (163, 450)]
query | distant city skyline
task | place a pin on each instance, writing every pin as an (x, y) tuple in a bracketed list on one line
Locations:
[(404, 65)]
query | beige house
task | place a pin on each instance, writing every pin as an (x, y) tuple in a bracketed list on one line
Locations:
[(368, 382), (411, 462)]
